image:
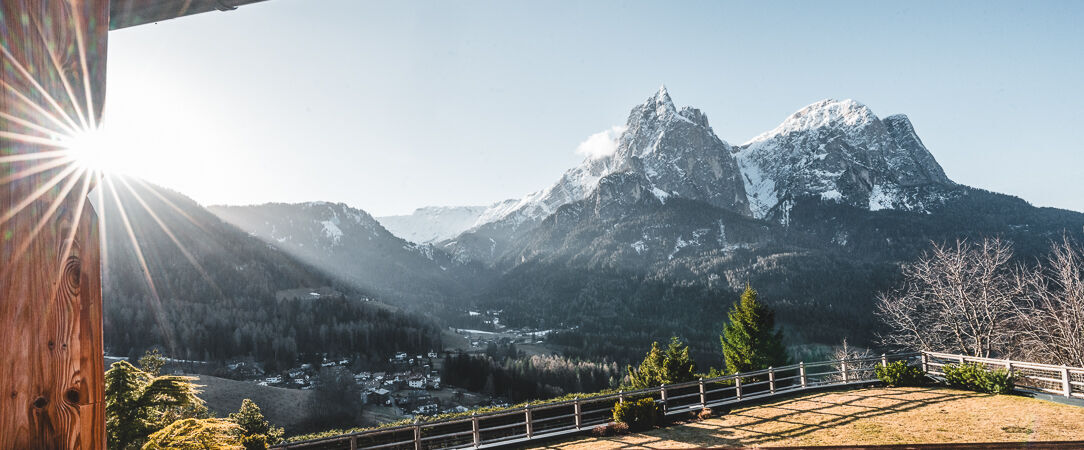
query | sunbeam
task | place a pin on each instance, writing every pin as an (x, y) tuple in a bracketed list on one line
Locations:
[(38, 193), (45, 218), (35, 169), (172, 237), (34, 82), (159, 312)]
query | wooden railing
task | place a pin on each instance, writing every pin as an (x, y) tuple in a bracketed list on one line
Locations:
[(546, 420), (1059, 380)]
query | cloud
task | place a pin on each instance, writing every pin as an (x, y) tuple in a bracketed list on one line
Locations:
[(601, 144)]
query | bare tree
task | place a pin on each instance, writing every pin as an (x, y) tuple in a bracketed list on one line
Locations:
[(1048, 320), (859, 365), (955, 298)]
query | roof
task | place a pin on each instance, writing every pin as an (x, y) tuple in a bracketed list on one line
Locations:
[(129, 13)]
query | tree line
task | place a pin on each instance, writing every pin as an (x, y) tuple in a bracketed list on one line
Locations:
[(973, 298)]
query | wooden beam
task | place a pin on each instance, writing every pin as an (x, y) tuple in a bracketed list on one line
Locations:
[(52, 83), (129, 13)]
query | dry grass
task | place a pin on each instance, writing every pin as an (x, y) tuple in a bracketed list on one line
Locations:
[(867, 417), (282, 407)]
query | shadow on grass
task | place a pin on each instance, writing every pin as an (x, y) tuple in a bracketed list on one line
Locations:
[(775, 420)]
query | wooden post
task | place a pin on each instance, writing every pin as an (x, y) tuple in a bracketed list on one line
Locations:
[(51, 366), (801, 372), (417, 435), (771, 379), (843, 366), (1066, 382), (703, 396), (662, 393), (474, 429), (925, 363), (884, 360), (621, 396), (578, 412), (353, 443), (527, 416), (737, 387)]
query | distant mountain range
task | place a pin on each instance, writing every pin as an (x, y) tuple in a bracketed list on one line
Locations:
[(655, 237), (178, 278)]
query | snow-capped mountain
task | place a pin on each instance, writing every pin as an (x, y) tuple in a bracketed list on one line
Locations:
[(832, 150), (433, 223), (840, 151), (349, 243), (675, 151)]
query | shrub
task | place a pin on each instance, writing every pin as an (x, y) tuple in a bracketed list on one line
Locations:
[(975, 377), (610, 429), (899, 373), (704, 414), (639, 414)]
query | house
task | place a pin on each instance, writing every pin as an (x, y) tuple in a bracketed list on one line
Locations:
[(434, 382), (400, 356), (432, 354), (416, 382)]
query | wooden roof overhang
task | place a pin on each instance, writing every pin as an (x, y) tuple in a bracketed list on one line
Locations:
[(129, 13)]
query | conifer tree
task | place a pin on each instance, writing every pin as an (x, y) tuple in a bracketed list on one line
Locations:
[(663, 367), (750, 340), (256, 430), (137, 403)]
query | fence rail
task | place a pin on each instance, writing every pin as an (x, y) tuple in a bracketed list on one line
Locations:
[(1047, 378), (546, 420)]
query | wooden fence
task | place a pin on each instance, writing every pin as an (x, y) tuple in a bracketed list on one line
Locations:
[(1059, 380), (547, 420)]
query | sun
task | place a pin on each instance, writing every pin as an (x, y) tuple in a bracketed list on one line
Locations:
[(101, 151)]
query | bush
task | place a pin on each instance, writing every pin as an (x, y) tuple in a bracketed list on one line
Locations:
[(899, 373), (975, 377), (610, 429), (704, 414), (639, 414)]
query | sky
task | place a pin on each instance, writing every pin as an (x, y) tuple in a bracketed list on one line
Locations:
[(393, 105)]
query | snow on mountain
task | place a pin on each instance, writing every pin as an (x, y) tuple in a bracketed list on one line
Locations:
[(676, 150), (834, 150), (840, 151), (433, 223)]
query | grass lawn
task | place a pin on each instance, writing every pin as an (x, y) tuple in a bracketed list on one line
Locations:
[(866, 417), (282, 407)]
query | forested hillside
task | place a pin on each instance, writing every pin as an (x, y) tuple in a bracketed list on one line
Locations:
[(211, 292)]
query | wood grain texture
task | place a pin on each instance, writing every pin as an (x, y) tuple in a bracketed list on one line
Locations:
[(52, 83)]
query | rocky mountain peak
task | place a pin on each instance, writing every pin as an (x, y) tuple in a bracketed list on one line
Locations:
[(827, 113)]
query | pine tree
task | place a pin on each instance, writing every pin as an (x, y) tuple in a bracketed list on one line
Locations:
[(256, 430), (750, 340), (663, 367), (137, 403)]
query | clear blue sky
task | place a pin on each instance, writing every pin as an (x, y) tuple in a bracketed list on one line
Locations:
[(393, 105)]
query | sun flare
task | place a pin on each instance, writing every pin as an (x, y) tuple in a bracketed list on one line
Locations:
[(101, 151)]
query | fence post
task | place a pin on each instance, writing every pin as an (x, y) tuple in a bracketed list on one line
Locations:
[(662, 392), (1066, 385), (843, 365), (703, 396), (474, 429), (579, 417), (925, 363), (417, 435), (530, 426), (1008, 367), (884, 360), (621, 396), (353, 443), (801, 372), (737, 387), (771, 379)]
